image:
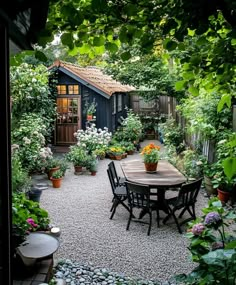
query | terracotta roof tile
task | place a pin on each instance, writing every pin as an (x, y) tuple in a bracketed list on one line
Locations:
[(96, 77)]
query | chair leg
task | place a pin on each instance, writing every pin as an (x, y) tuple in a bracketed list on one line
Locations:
[(130, 217), (177, 223), (150, 223), (114, 206), (158, 218), (182, 212)]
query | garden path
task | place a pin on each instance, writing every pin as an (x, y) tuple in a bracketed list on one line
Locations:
[(81, 208)]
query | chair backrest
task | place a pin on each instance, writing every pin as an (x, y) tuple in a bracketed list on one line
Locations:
[(112, 168), (188, 193), (138, 194), (111, 179)]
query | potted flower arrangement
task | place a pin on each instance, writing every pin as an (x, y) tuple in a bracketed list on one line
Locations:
[(115, 152), (56, 178), (151, 154), (100, 153), (78, 156)]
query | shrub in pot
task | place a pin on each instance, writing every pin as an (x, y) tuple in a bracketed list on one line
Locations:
[(56, 178), (78, 156)]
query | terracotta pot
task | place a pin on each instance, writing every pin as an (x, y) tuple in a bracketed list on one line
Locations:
[(56, 182), (124, 155), (223, 196), (118, 157), (93, 173), (89, 117), (151, 166), (78, 168), (130, 152), (50, 172)]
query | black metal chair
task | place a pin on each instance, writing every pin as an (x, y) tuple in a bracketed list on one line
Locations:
[(119, 193), (119, 181), (139, 197), (185, 201)]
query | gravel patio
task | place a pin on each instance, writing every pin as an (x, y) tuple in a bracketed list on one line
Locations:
[(81, 208)]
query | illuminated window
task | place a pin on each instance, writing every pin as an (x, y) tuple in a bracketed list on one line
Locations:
[(73, 89), (61, 89), (119, 102)]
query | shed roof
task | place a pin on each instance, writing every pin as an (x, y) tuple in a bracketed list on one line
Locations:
[(95, 77)]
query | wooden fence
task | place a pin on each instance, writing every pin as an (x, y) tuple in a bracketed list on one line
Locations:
[(166, 105)]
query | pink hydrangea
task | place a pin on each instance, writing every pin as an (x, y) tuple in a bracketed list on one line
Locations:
[(198, 229), (31, 222)]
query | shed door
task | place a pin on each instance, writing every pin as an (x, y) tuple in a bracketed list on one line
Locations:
[(68, 119)]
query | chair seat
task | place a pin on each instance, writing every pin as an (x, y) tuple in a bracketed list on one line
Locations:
[(120, 190), (185, 201)]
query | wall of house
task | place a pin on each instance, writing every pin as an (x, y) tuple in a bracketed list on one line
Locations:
[(104, 114)]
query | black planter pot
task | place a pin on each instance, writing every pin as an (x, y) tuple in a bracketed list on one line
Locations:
[(35, 195)]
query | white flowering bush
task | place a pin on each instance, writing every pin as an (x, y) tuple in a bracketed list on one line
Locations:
[(93, 138), (30, 138)]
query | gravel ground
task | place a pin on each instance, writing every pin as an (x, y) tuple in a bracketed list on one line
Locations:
[(81, 208)]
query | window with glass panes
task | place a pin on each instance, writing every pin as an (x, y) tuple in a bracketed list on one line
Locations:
[(71, 89)]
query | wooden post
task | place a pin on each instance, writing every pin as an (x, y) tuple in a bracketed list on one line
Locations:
[(5, 161)]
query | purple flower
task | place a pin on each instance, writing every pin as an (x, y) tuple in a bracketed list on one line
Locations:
[(217, 245), (212, 218), (198, 229), (31, 222)]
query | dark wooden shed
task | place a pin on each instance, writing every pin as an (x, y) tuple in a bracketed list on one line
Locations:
[(79, 87)]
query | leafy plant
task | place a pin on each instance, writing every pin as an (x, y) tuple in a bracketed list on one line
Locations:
[(172, 134), (91, 108), (92, 163), (21, 181), (57, 174), (52, 162), (78, 155), (131, 128), (30, 93), (24, 209), (212, 247)]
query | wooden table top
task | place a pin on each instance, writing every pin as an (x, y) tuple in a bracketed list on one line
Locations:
[(165, 176)]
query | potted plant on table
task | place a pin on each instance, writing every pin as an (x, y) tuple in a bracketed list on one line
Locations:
[(151, 154), (56, 178)]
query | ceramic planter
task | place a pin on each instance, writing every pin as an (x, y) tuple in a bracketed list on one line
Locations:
[(209, 187)]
